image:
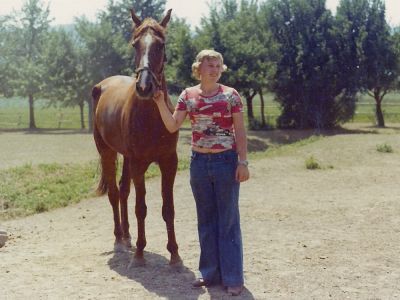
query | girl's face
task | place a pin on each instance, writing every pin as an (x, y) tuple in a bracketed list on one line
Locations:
[(210, 69)]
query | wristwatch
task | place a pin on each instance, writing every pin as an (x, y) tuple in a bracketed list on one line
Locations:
[(243, 162)]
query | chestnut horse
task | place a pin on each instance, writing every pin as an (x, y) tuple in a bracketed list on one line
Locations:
[(127, 121)]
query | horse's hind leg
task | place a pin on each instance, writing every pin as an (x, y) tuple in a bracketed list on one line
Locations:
[(168, 167), (109, 167), (124, 190), (108, 159)]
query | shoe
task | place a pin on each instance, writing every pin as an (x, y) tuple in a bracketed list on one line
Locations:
[(235, 290), (199, 282)]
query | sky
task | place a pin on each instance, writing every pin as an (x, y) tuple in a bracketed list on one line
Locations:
[(64, 11)]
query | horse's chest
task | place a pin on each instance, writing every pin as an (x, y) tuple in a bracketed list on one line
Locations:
[(148, 134)]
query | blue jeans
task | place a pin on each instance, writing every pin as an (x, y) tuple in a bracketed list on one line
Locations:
[(216, 192)]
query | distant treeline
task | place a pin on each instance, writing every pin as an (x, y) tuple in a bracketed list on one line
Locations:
[(315, 64)]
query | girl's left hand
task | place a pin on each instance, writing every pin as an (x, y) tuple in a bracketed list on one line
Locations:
[(242, 173)]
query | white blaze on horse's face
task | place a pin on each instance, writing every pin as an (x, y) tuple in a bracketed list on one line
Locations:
[(148, 40)]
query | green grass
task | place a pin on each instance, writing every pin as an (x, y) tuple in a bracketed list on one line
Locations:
[(312, 164), (384, 148), (31, 189)]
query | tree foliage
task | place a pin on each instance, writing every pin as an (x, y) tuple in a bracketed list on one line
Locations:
[(180, 55), (306, 78), (27, 33)]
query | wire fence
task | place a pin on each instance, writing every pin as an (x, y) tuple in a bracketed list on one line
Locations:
[(58, 120), (69, 118)]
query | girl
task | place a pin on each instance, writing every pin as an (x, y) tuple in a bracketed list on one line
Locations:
[(218, 165)]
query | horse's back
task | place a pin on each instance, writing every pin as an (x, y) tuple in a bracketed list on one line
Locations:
[(114, 89)]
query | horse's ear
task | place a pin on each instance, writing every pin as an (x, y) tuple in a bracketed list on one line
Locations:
[(135, 18), (165, 20)]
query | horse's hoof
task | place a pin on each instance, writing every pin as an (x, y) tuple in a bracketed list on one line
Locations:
[(127, 243), (137, 262), (120, 247), (176, 261)]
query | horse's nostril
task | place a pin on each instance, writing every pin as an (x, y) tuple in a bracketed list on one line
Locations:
[(144, 89)]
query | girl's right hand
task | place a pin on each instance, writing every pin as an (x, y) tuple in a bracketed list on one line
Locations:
[(158, 96)]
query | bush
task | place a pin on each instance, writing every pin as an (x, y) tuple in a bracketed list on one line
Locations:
[(385, 148), (312, 163)]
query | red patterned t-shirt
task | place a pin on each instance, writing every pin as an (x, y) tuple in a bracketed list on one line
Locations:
[(211, 116)]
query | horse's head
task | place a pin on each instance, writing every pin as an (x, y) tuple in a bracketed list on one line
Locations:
[(149, 43)]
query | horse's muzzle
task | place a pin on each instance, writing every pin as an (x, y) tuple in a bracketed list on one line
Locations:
[(145, 86)]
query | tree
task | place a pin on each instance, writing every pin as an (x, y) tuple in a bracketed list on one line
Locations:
[(180, 55), (100, 54), (350, 32), (66, 80), (380, 64), (7, 48), (305, 81), (28, 31), (396, 41)]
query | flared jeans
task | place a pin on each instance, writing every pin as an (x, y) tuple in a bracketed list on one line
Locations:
[(216, 193)]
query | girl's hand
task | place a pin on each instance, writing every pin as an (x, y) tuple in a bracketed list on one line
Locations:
[(158, 96), (242, 173)]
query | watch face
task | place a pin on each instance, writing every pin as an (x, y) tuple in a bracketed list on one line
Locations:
[(244, 163)]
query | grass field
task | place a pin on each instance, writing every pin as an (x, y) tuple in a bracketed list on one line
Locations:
[(14, 112)]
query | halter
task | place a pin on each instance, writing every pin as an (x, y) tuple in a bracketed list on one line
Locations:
[(155, 77)]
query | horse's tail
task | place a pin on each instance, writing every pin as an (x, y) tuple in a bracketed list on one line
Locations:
[(96, 93), (102, 187)]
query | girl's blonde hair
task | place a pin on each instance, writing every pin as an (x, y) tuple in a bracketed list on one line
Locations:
[(206, 54)]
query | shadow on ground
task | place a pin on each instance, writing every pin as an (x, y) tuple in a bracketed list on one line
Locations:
[(259, 141), (169, 282), (156, 275)]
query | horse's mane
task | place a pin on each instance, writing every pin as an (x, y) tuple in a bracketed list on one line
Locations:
[(146, 24)]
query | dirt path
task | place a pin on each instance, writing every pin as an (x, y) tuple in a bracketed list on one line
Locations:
[(326, 234)]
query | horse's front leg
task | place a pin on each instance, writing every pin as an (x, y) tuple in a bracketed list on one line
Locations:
[(138, 169), (124, 190), (168, 166)]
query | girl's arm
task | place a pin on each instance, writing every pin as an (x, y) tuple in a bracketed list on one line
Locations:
[(242, 171), (171, 121)]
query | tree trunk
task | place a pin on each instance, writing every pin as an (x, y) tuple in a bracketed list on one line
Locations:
[(263, 123), (378, 100), (81, 108), (379, 113), (32, 123), (90, 114), (249, 102)]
